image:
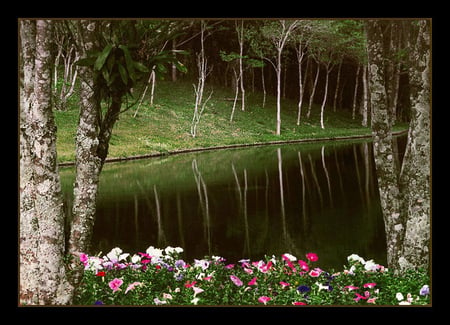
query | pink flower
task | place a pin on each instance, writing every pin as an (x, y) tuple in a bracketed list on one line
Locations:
[(197, 290), (264, 299), (359, 297), (299, 303), (303, 265), (284, 284), (315, 273), (236, 280), (229, 266), (369, 285), (247, 270), (350, 288), (312, 257), (132, 286), (189, 284), (84, 258), (372, 300), (115, 284), (252, 281)]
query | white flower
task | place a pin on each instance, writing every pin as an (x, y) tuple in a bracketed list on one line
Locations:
[(370, 266), (291, 258), (154, 252), (135, 259), (356, 257), (116, 255), (404, 303), (399, 296), (322, 287), (195, 301)]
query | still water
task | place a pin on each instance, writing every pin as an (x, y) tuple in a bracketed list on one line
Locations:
[(244, 203)]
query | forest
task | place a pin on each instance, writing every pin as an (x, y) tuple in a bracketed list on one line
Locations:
[(377, 70)]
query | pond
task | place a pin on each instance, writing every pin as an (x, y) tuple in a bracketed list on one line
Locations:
[(319, 197)]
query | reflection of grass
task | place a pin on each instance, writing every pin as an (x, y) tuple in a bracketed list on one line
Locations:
[(165, 126)]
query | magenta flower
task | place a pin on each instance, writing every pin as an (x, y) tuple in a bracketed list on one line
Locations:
[(299, 303), (236, 280), (369, 285), (303, 265), (115, 284), (312, 257), (264, 299), (284, 284), (252, 281), (351, 288)]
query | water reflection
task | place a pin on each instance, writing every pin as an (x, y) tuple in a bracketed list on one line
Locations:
[(244, 203)]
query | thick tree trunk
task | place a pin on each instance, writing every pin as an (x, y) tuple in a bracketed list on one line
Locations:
[(42, 271), (405, 199), (416, 173), (88, 163), (390, 195)]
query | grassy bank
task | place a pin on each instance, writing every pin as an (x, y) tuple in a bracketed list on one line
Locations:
[(165, 126)]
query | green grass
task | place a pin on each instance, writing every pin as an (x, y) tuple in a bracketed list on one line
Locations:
[(165, 126)]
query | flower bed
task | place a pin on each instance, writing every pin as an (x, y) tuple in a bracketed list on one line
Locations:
[(161, 277)]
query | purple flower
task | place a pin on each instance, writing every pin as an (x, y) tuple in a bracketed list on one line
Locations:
[(99, 302), (425, 290), (303, 289)]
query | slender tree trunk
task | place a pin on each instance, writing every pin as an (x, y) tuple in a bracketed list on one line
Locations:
[(240, 31), (43, 278), (365, 111), (300, 55), (263, 87), (355, 93), (313, 91), (322, 109), (338, 81), (279, 92)]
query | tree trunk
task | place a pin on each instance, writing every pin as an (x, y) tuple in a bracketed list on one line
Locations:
[(322, 109), (240, 32), (279, 92), (390, 195), (338, 81), (365, 111), (416, 175), (42, 271), (355, 94), (311, 97), (87, 162)]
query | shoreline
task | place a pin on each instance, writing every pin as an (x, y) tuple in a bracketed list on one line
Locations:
[(232, 146)]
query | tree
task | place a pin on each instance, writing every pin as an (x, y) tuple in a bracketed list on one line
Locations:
[(278, 32), (404, 195), (43, 277), (202, 65)]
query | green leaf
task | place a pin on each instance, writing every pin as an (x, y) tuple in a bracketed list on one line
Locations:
[(129, 62), (139, 66), (180, 67), (123, 73), (85, 62), (100, 61)]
